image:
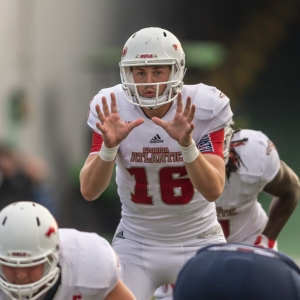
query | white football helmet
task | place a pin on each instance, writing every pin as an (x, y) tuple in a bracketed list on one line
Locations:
[(152, 47), (28, 237), (227, 139)]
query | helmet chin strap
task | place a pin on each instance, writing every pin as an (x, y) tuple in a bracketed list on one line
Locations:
[(160, 101)]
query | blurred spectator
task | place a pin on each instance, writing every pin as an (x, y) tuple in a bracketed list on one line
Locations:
[(23, 176)]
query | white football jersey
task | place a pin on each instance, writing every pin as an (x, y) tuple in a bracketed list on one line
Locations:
[(158, 199), (238, 210), (89, 267)]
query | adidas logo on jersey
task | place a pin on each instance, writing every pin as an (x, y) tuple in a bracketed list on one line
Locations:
[(120, 235), (156, 139)]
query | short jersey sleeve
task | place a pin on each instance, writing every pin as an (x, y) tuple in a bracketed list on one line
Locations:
[(271, 161), (88, 263)]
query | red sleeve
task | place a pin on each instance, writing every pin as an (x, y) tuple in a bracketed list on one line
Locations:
[(212, 143), (96, 142)]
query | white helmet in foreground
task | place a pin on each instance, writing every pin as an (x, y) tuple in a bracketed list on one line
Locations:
[(152, 47), (28, 237)]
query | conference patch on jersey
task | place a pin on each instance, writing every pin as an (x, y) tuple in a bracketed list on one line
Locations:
[(205, 144)]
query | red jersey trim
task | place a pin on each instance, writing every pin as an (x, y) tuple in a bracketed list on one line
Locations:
[(97, 141)]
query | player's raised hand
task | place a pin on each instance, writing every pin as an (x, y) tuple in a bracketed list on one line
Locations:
[(181, 127), (112, 127)]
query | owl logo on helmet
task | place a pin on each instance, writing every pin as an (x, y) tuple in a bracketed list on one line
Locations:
[(28, 237), (124, 52), (177, 46)]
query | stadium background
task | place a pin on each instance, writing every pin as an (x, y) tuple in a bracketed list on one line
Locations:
[(56, 55)]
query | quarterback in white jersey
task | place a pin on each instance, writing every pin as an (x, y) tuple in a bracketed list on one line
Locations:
[(166, 140), (39, 261)]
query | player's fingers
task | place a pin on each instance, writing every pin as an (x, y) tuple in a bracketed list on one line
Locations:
[(191, 128), (113, 105), (99, 113), (179, 103), (159, 122), (99, 126), (191, 114), (187, 107), (135, 123), (106, 110)]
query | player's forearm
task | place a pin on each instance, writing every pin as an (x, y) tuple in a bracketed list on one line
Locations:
[(280, 211), (206, 178), (121, 291), (95, 177), (286, 192)]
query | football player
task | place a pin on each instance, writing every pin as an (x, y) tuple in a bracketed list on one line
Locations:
[(40, 261), (252, 166), (166, 139), (238, 271)]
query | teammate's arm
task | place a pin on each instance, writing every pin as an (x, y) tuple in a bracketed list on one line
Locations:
[(120, 291), (207, 174), (285, 188), (95, 176)]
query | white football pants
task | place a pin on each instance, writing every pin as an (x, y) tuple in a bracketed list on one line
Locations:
[(147, 264)]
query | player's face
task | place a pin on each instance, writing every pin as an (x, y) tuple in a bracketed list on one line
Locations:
[(23, 275), (151, 74)]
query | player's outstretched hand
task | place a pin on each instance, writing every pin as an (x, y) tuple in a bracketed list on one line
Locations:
[(181, 127), (113, 128)]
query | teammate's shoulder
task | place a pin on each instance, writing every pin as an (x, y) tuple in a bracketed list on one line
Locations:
[(82, 253), (70, 236), (253, 136), (255, 144)]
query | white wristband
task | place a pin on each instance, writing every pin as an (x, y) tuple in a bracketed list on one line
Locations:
[(189, 153), (108, 154)]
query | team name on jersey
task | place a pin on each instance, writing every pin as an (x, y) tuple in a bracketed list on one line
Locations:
[(222, 213), (156, 155)]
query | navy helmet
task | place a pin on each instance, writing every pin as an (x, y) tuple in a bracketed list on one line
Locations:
[(235, 272)]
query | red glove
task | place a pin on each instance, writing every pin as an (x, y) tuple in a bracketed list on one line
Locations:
[(264, 242)]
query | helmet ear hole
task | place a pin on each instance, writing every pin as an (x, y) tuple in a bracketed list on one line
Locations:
[(152, 47), (28, 237)]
